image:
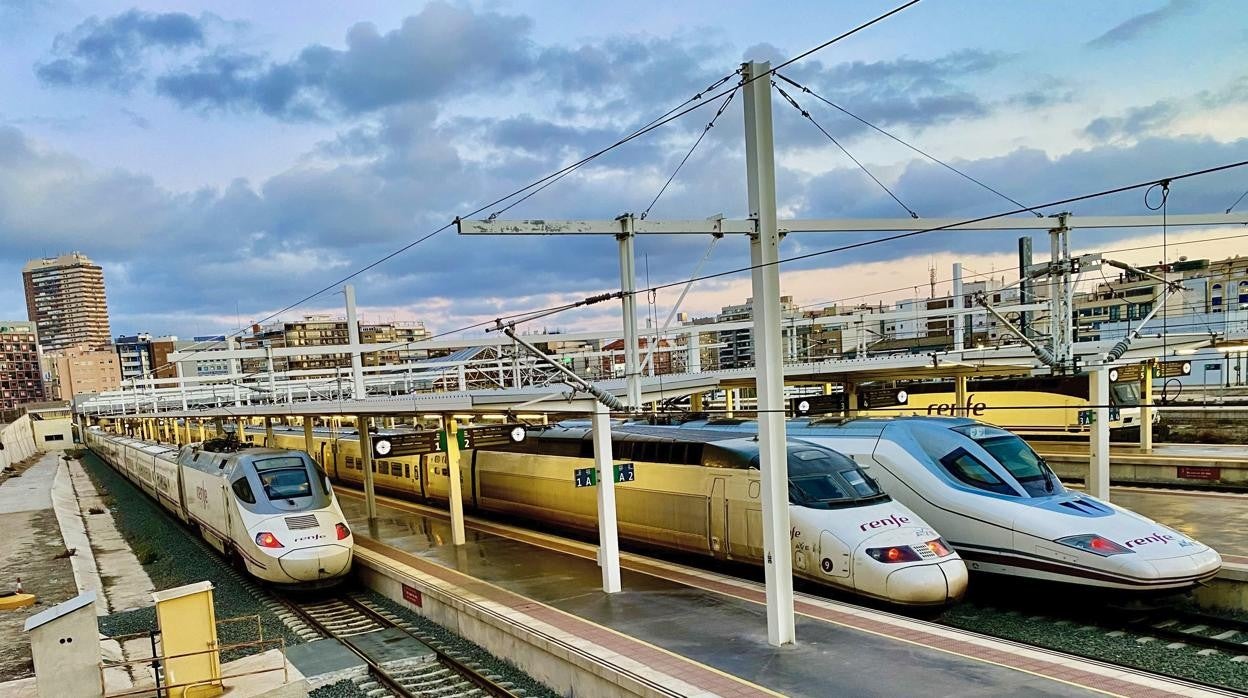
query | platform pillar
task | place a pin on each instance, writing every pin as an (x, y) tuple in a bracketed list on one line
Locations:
[(608, 533), (268, 432), (240, 430), (203, 432), (308, 444), (729, 401), (1146, 407), (456, 496), (695, 402), (851, 399), (1098, 440), (959, 396), (768, 352), (366, 463), (827, 388)]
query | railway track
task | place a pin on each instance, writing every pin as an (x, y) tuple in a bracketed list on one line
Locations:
[(401, 662), (1208, 632)]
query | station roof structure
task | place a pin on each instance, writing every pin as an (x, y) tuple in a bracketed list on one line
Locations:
[(551, 398)]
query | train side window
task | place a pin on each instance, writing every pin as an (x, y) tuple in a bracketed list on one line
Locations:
[(587, 448), (970, 470), (693, 454), (621, 449), (407, 470), (242, 488)]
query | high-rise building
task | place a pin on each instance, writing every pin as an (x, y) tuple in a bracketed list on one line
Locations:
[(135, 353), (65, 299), (20, 378)]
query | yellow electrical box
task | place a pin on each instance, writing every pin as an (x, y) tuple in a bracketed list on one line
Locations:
[(188, 641)]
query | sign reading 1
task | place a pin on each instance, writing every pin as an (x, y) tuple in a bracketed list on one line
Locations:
[(588, 477)]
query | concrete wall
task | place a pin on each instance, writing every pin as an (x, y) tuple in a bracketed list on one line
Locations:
[(53, 434), (18, 440)]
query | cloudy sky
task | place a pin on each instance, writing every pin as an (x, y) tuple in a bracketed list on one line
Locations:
[(224, 159)]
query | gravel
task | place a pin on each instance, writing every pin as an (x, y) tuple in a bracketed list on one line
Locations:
[(183, 558), (345, 688), (1079, 634)]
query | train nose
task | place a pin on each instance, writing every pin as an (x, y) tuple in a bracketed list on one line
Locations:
[(928, 584), (316, 562)]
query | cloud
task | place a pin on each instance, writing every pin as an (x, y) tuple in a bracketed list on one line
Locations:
[(110, 52), (441, 50), (1141, 24), (1136, 121)]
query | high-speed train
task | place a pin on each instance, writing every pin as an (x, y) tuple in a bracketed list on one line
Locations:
[(272, 510), (695, 492), (1002, 508)]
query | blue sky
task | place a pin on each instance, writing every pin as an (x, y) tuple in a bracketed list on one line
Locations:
[(221, 160)]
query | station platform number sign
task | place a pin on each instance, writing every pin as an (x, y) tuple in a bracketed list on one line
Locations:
[(487, 435), (588, 477)]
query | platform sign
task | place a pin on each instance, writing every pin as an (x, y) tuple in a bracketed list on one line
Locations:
[(883, 397), (1200, 472), (1087, 417), (491, 435), (586, 477), (416, 443), (1126, 374), (413, 596), (812, 405), (1174, 369), (624, 472)]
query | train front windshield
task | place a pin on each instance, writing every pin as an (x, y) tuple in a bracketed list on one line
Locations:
[(284, 478), (1028, 468), (1125, 394), (826, 479)]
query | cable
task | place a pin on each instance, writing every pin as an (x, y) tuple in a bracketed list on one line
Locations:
[(1241, 198), (667, 117), (710, 124), (925, 154), (837, 143)]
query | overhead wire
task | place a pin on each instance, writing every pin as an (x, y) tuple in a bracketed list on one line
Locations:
[(916, 149), (707, 129), (669, 116), (793, 102)]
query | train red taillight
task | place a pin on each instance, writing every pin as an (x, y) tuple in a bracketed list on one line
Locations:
[(896, 553), (342, 531), (268, 540)]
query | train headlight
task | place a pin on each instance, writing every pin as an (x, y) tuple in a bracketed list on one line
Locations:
[(1092, 543), (896, 553), (268, 540), (938, 546)]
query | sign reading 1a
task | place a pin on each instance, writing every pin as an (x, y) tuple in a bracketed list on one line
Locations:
[(586, 477)]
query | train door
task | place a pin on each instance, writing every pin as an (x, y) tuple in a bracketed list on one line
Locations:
[(833, 555), (422, 476), (717, 519)]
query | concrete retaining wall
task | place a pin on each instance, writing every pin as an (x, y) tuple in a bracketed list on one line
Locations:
[(563, 667), (18, 440)]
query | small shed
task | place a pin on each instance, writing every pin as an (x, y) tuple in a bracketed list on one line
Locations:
[(65, 645)]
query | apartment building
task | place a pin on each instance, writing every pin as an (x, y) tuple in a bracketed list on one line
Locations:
[(21, 380), (66, 301)]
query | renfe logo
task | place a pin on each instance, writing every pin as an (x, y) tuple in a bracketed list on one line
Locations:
[(894, 520), (1163, 538), (972, 407)]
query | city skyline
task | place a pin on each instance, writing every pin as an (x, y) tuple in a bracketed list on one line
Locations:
[(241, 193)]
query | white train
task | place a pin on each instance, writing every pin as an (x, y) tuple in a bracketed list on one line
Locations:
[(695, 492), (272, 511), (1003, 509)]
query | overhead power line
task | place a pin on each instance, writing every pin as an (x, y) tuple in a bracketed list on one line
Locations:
[(669, 116), (811, 119), (898, 139)]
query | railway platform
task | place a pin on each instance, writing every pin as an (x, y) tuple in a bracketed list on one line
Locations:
[(675, 630)]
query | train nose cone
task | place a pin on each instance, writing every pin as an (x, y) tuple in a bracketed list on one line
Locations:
[(928, 584), (316, 563)]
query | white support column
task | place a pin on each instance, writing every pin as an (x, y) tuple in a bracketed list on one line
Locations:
[(694, 364), (366, 463), (308, 444), (959, 302), (353, 334), (1098, 440), (268, 361), (608, 535), (959, 397), (181, 385), (628, 303), (456, 503), (768, 351), (1146, 407)]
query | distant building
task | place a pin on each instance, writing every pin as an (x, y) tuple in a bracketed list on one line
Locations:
[(21, 381), (737, 346), (65, 299), (134, 352), (324, 330), (613, 363), (80, 371)]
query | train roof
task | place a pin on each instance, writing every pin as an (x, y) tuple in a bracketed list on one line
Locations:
[(856, 426)]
